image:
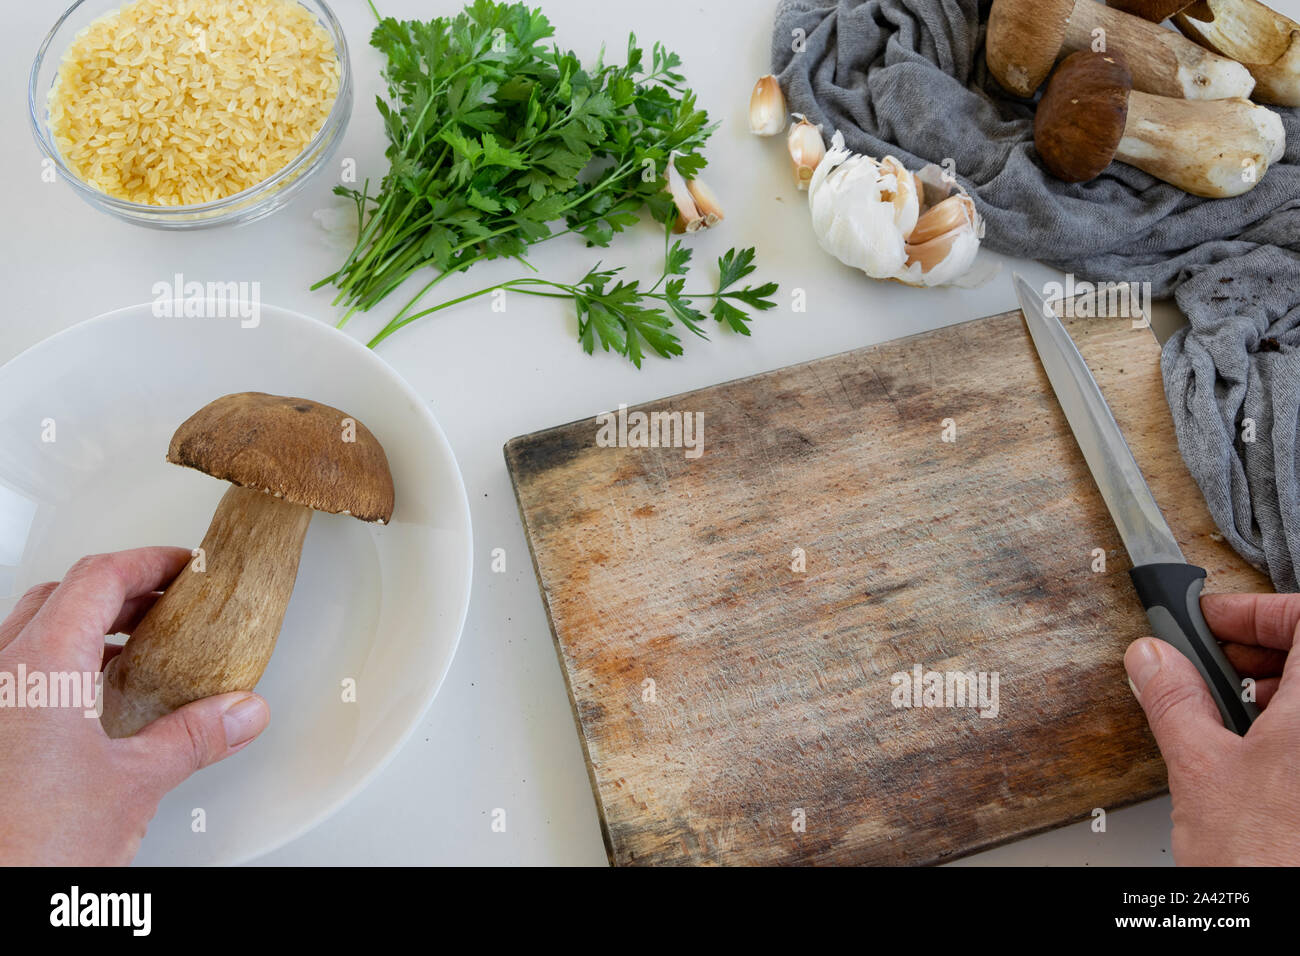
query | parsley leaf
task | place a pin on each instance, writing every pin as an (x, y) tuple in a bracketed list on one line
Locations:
[(623, 317)]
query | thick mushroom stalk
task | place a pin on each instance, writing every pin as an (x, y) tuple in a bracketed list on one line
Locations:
[(1267, 43), (1251, 33), (1213, 149), (1090, 116), (214, 628), (1026, 38)]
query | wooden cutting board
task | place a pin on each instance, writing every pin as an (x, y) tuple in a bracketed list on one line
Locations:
[(735, 710)]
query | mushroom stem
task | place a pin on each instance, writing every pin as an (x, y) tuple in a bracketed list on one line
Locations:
[(1162, 61), (213, 630), (1207, 148), (1025, 37), (1252, 33)]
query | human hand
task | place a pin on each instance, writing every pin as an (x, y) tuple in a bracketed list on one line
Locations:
[(71, 795), (1234, 797)]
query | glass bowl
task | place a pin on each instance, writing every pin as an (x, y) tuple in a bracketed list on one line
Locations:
[(253, 203)]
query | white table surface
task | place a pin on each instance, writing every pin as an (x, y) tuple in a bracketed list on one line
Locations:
[(500, 733)]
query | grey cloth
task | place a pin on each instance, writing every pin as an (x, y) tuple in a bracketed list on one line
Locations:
[(907, 77)]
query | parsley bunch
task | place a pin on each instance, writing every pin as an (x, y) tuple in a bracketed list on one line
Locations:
[(498, 141)]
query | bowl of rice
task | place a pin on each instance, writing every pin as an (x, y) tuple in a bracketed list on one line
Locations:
[(182, 114)]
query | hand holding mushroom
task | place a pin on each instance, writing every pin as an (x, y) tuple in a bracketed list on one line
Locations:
[(214, 628)]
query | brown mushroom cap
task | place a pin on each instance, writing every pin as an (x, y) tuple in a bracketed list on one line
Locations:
[(1082, 115), (1023, 41), (291, 448), (1157, 11)]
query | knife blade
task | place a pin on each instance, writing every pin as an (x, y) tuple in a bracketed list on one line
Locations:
[(1169, 587)]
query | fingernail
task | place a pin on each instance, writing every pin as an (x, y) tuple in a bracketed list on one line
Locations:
[(244, 720), (1142, 661)]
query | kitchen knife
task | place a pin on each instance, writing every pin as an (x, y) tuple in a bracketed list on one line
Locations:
[(1169, 587)]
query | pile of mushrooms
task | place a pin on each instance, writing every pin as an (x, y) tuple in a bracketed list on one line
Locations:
[(214, 628), (1126, 88)]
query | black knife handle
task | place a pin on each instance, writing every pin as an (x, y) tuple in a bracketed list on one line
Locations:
[(1171, 593)]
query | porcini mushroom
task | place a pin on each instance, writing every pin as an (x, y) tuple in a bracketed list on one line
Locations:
[(214, 628), (1026, 37), (1091, 115)]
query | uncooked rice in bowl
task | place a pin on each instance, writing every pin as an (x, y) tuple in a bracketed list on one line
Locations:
[(178, 102)]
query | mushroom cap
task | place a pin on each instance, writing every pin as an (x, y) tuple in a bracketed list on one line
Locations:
[(1023, 41), (1082, 115), (292, 448), (1157, 11)]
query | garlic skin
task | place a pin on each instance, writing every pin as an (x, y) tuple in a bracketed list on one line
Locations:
[(862, 210), (767, 109), (807, 149), (905, 195)]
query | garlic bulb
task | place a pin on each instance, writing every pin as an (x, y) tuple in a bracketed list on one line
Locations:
[(767, 107), (874, 215), (807, 149), (862, 210)]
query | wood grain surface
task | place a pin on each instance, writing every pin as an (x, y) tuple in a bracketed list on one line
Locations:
[(723, 697)]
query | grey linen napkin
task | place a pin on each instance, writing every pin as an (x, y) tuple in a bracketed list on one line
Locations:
[(907, 77)]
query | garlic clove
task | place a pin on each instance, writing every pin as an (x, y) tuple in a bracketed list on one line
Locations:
[(767, 110), (937, 255), (955, 211), (807, 149), (933, 251), (686, 208), (706, 203)]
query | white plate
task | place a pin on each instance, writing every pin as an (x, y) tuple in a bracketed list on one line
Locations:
[(383, 606)]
